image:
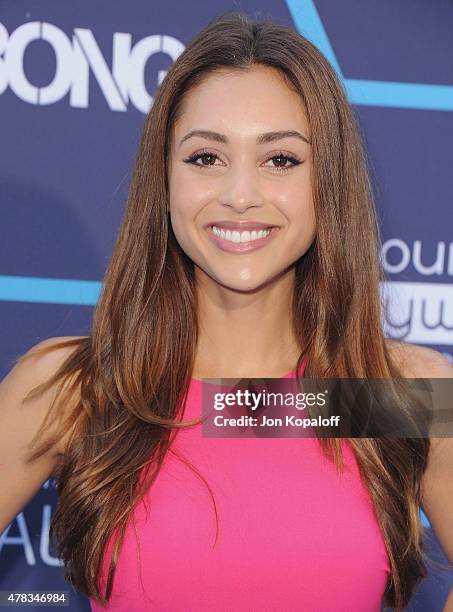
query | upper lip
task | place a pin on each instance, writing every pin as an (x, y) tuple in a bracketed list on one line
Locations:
[(240, 225)]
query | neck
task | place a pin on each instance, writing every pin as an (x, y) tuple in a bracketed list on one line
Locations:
[(245, 334)]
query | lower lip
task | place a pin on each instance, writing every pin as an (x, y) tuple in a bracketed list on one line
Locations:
[(241, 247)]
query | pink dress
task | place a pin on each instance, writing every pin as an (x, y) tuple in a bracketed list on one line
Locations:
[(293, 535)]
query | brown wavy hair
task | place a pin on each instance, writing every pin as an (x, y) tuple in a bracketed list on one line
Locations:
[(127, 379)]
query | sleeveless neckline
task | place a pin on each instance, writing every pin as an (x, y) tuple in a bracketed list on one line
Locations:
[(291, 374), (288, 375)]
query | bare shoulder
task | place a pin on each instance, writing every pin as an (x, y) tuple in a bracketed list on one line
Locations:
[(33, 368), (48, 363), (418, 361), (20, 422), (62, 347)]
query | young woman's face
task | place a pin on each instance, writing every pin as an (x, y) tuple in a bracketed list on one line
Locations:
[(238, 175)]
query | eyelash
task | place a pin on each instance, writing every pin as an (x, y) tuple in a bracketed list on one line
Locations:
[(193, 158)]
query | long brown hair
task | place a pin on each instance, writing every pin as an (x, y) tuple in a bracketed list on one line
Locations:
[(132, 372)]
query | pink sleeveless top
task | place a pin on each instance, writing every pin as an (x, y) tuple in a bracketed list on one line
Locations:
[(293, 535)]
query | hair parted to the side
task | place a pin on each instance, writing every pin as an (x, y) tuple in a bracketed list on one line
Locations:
[(131, 374)]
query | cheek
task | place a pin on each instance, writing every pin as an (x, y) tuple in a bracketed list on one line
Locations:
[(180, 200), (186, 193), (182, 214), (297, 206), (306, 214), (179, 223)]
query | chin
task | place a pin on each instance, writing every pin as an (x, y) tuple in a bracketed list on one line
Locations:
[(242, 284)]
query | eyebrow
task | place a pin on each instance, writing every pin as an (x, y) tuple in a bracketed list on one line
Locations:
[(260, 139)]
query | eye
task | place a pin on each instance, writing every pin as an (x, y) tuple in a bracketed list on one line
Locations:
[(285, 158), (201, 155), (211, 157)]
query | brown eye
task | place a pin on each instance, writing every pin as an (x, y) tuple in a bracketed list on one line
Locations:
[(282, 159), (208, 156), (204, 155), (281, 164)]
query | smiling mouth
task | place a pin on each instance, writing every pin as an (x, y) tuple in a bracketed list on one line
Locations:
[(235, 241), (237, 236)]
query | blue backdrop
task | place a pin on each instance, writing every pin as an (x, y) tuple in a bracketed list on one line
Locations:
[(76, 79)]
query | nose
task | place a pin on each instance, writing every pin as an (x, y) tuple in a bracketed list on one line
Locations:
[(240, 190)]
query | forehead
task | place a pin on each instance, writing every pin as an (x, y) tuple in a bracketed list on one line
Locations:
[(242, 102)]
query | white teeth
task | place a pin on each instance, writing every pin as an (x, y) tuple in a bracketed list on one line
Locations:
[(236, 236)]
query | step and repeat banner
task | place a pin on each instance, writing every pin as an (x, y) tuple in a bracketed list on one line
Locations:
[(76, 79)]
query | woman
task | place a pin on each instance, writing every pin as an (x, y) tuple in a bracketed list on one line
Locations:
[(250, 126)]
